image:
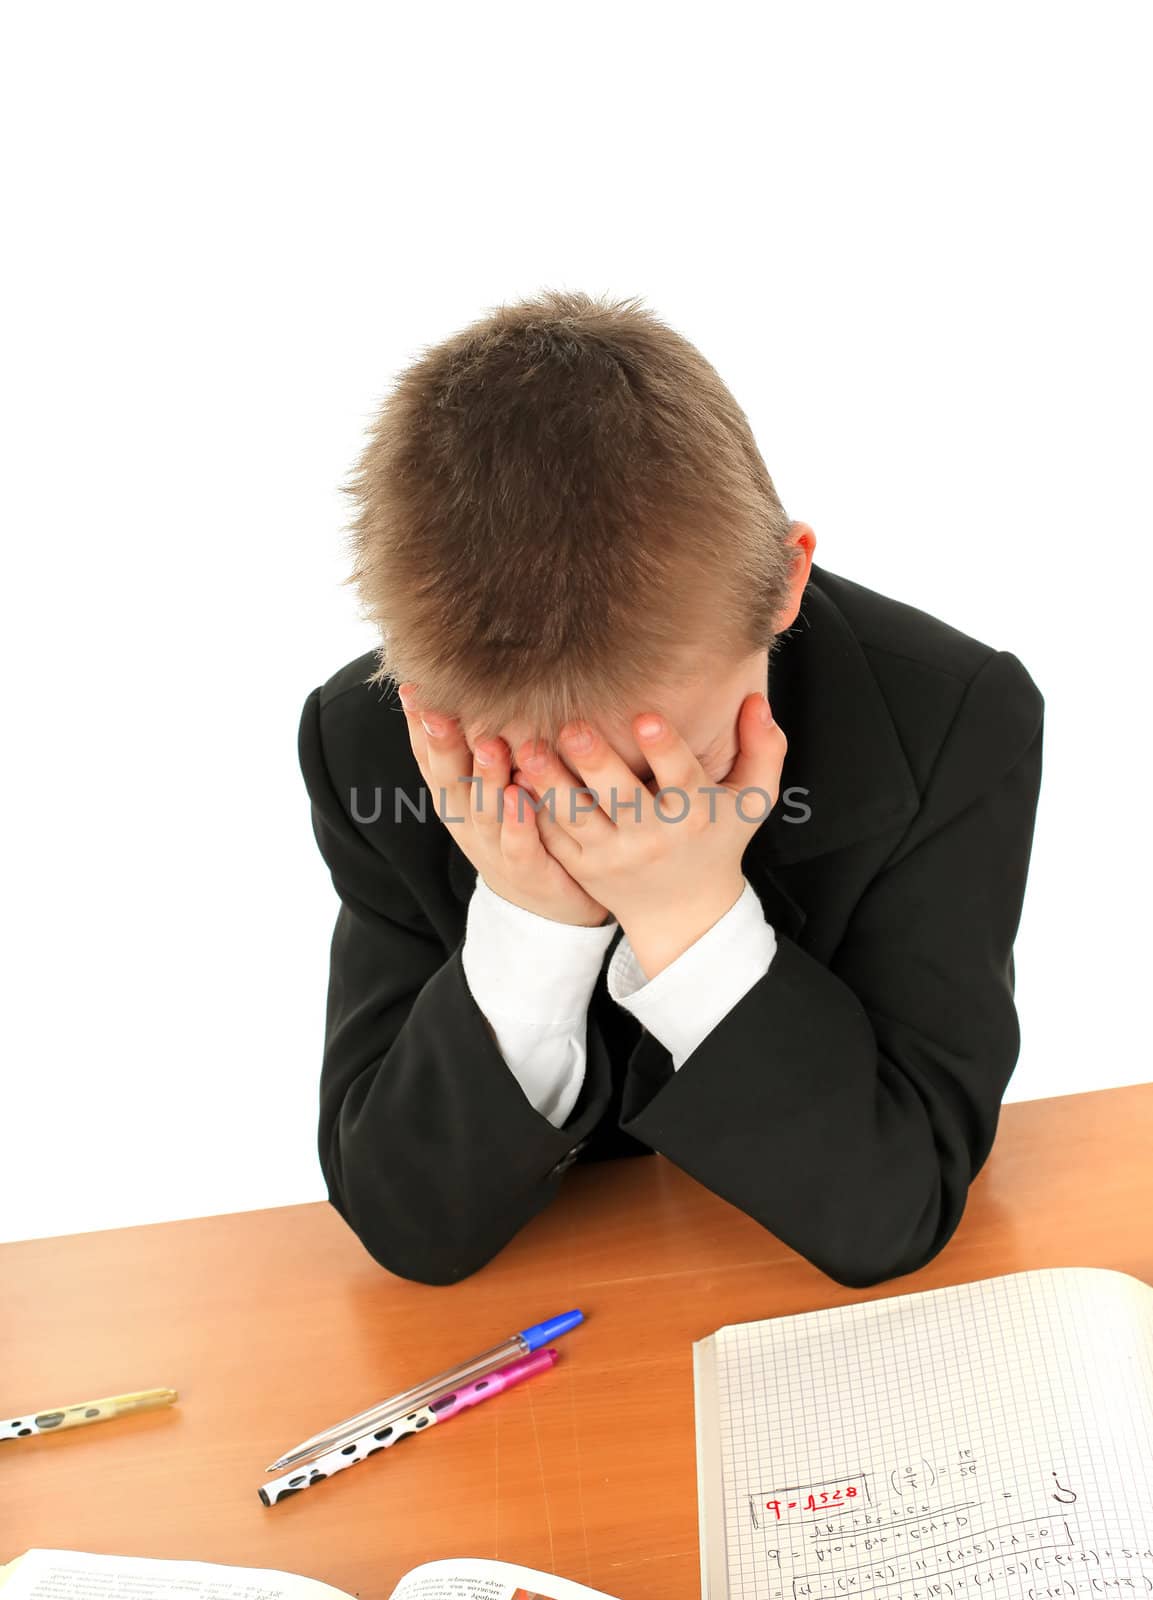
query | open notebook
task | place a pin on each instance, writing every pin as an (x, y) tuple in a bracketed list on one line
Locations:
[(989, 1439), (78, 1575)]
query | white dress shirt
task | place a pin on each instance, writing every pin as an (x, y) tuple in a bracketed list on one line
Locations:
[(533, 979)]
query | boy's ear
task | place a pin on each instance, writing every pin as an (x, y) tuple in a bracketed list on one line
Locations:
[(804, 542)]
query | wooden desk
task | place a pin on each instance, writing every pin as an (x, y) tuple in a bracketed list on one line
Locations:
[(274, 1324)]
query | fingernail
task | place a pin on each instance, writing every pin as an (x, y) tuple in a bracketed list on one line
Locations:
[(432, 727), (649, 727), (765, 711)]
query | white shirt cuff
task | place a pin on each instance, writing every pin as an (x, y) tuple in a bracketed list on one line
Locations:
[(532, 978), (528, 967), (684, 1002)]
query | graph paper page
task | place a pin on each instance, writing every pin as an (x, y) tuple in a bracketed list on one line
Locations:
[(992, 1439)]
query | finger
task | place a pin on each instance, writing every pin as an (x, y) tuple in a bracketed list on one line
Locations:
[(520, 841), (566, 801), (759, 763), (447, 764), (673, 764), (621, 795), (416, 734), (562, 846), (491, 764)]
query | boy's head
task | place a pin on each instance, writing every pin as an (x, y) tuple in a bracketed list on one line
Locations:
[(561, 513)]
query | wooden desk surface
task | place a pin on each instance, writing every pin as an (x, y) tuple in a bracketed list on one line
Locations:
[(274, 1324)]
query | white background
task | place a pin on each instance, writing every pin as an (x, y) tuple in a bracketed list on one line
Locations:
[(912, 239)]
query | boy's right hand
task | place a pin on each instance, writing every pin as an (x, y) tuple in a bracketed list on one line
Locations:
[(498, 835)]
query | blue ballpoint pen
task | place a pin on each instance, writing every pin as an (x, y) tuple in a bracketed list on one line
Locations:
[(386, 1411)]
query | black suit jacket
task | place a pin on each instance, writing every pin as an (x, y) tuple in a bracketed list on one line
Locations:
[(849, 1098)]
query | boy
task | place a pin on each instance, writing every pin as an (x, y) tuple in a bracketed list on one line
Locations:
[(564, 526)]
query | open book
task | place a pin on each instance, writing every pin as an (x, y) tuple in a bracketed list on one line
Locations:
[(993, 1439), (48, 1574)]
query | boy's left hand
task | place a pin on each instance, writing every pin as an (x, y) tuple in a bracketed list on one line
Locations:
[(668, 877)]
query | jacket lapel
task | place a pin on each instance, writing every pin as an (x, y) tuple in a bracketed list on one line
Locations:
[(845, 778)]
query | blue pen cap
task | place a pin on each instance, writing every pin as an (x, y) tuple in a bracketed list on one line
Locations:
[(552, 1329)]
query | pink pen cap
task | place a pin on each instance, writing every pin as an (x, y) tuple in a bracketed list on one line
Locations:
[(471, 1394)]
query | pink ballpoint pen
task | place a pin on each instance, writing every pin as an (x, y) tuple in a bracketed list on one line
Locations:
[(436, 1412), (471, 1394)]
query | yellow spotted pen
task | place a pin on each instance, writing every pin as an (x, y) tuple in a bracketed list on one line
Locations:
[(78, 1416)]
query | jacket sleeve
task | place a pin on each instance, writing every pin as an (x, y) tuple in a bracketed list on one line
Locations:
[(847, 1107), (429, 1146)]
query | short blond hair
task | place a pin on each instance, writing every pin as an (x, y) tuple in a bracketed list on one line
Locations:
[(558, 507)]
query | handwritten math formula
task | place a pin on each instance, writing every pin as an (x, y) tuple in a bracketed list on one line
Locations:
[(936, 1530)]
